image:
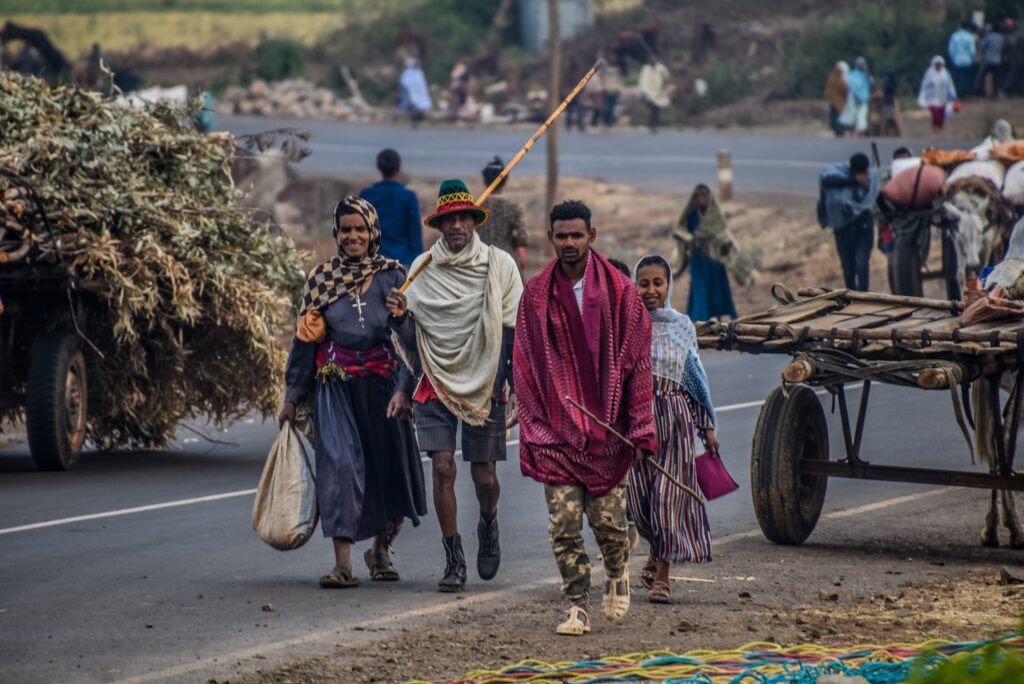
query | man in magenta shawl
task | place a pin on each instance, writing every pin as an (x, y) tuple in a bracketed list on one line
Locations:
[(584, 333)]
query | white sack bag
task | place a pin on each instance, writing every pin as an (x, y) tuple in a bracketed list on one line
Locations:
[(1013, 183), (989, 170), (285, 512)]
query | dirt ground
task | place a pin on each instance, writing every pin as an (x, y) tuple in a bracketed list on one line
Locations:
[(861, 586), (795, 250)]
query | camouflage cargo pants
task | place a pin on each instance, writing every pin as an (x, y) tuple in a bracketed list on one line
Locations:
[(607, 518)]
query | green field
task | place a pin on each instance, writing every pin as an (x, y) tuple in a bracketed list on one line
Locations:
[(227, 6), (197, 24), (74, 34), (202, 24)]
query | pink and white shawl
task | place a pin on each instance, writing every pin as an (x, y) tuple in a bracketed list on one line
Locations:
[(601, 358)]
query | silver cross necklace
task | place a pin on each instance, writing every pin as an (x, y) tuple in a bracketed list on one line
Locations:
[(358, 306)]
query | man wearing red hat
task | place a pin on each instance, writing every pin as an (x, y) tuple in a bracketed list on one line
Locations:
[(459, 316)]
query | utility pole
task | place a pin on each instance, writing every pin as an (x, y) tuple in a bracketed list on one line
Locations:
[(554, 98)]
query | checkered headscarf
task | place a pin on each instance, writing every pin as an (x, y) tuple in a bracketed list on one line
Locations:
[(342, 275)]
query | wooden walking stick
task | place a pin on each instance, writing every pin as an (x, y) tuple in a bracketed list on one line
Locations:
[(516, 159), (628, 442)]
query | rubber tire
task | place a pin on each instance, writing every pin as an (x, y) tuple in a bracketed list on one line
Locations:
[(907, 267), (787, 505), (50, 438)]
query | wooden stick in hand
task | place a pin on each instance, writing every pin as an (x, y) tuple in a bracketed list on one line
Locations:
[(628, 442)]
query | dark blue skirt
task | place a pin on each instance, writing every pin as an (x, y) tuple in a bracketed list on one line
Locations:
[(368, 468), (710, 294)]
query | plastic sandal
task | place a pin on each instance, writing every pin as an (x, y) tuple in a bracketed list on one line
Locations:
[(615, 605), (380, 566), (577, 624), (339, 578), (660, 593)]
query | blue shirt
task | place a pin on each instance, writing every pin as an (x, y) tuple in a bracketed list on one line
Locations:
[(992, 48), (962, 48), (401, 231), (842, 201)]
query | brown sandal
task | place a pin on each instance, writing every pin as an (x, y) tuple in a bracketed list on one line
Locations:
[(660, 593), (339, 578), (648, 573), (380, 565)]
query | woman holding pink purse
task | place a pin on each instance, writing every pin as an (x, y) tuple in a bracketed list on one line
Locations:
[(673, 523)]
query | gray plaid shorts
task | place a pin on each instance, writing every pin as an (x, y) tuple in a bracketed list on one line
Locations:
[(436, 428)]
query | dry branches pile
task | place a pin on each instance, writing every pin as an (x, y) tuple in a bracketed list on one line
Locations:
[(187, 292)]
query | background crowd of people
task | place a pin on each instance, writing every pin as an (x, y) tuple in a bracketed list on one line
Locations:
[(985, 61)]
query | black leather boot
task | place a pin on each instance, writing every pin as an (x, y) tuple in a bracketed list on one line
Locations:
[(454, 579), (488, 556)]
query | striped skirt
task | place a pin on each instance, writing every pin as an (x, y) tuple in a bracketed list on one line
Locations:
[(672, 522)]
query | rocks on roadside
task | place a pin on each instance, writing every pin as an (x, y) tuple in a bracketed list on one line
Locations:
[(293, 98)]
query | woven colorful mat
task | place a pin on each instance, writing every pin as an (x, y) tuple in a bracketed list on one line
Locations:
[(754, 663)]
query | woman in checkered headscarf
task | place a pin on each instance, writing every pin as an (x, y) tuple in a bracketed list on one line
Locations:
[(342, 365), (357, 259)]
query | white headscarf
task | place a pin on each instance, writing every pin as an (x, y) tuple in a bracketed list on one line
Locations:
[(674, 351), (937, 85), (414, 83)]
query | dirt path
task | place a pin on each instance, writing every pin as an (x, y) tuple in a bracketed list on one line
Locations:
[(856, 581)]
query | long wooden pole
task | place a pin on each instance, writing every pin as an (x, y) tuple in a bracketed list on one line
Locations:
[(554, 89), (519, 156), (628, 442)]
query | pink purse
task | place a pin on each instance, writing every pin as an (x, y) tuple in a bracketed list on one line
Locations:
[(712, 477)]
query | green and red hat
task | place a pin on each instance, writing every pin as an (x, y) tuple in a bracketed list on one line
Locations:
[(454, 197)]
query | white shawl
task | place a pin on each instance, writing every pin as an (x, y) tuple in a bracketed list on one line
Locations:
[(936, 87), (654, 79), (461, 301)]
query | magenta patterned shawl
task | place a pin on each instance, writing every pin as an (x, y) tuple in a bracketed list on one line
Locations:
[(601, 359)]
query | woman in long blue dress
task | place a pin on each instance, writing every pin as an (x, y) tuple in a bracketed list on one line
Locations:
[(369, 476), (710, 292), (674, 524)]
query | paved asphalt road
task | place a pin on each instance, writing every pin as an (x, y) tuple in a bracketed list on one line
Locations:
[(151, 592), (666, 160)]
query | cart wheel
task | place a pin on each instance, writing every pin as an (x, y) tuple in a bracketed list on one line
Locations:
[(786, 502), (907, 266), (55, 413)]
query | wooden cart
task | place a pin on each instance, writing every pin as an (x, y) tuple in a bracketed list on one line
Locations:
[(842, 337)]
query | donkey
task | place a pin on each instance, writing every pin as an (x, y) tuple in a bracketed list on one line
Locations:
[(978, 229), (985, 395), (980, 222)]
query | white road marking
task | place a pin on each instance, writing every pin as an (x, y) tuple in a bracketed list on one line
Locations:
[(757, 404), (250, 492), (128, 511), (218, 664), (737, 407), (845, 513)]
